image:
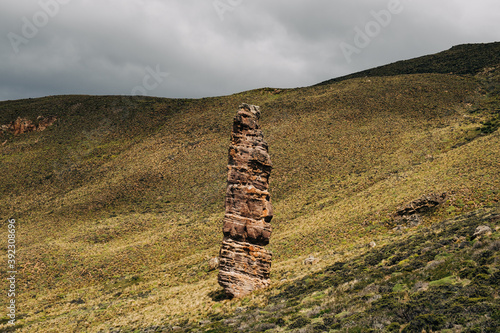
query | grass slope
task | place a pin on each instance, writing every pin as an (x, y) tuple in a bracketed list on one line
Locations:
[(432, 278), (119, 204)]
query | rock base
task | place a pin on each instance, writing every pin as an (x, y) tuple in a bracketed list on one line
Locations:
[(244, 267)]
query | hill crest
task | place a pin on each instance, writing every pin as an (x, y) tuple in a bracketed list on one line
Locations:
[(460, 60)]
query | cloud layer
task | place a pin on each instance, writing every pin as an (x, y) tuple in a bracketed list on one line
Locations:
[(219, 47)]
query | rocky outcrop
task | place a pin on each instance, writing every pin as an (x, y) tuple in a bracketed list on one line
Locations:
[(422, 205), (24, 125), (44, 122), (409, 216), (244, 262)]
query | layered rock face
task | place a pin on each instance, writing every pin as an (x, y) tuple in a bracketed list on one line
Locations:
[(244, 262)]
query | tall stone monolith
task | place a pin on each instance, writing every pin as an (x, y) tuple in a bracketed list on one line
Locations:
[(244, 262)]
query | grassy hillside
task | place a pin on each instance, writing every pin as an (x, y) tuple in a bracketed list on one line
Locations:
[(120, 203), (459, 60)]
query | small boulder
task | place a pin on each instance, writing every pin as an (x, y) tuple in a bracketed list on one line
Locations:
[(482, 230), (372, 244), (213, 263), (77, 301), (398, 228), (410, 221), (311, 260), (414, 220)]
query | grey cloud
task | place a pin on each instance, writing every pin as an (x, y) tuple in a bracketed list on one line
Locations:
[(105, 47)]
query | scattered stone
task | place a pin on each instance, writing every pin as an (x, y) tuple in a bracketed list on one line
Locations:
[(421, 286), (244, 262), (410, 221), (495, 218), (415, 220), (239, 309), (477, 245), (495, 246), (433, 264), (311, 260), (374, 298), (78, 301), (213, 263), (463, 245), (422, 205), (264, 327), (151, 329), (230, 322), (426, 249), (482, 230), (398, 228)]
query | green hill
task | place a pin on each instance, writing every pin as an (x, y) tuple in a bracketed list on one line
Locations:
[(119, 207)]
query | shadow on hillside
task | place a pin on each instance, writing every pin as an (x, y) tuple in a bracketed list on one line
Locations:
[(218, 295)]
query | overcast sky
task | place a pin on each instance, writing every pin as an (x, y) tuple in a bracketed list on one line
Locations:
[(188, 48)]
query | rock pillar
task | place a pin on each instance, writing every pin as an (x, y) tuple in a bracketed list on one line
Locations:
[(244, 262)]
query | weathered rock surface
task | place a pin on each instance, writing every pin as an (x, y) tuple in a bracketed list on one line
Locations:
[(244, 262)]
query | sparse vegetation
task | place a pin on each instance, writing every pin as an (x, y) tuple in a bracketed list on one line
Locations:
[(120, 204)]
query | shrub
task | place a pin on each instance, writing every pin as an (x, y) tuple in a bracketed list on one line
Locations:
[(300, 322), (426, 322)]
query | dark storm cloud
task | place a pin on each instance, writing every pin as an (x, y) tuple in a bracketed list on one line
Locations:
[(216, 47)]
